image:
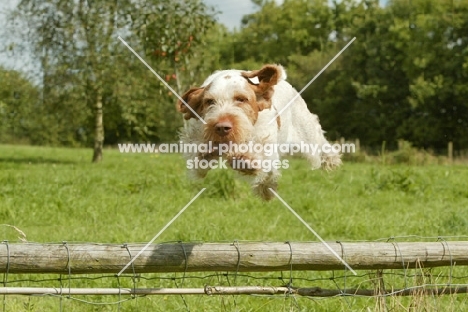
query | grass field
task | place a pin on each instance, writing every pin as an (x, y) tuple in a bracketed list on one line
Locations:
[(56, 194)]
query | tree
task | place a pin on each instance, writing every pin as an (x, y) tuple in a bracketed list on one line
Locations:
[(403, 78), (18, 104), (275, 32), (436, 51), (77, 46)]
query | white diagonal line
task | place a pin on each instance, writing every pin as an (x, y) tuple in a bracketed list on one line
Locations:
[(162, 80), (315, 233), (162, 230), (313, 79)]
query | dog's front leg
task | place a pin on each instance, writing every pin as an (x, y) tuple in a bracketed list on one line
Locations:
[(261, 170), (245, 163), (199, 163), (268, 177)]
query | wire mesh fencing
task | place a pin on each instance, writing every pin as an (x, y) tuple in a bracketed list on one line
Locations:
[(241, 276)]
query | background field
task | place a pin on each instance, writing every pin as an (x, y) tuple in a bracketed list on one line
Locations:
[(56, 194)]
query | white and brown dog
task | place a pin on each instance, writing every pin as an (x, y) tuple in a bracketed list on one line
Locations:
[(238, 107)]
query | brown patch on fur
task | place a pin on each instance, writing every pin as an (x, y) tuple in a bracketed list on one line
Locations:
[(227, 77), (268, 76), (251, 111), (278, 122), (194, 98), (248, 103)]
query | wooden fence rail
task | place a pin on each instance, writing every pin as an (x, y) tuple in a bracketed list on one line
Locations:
[(234, 257)]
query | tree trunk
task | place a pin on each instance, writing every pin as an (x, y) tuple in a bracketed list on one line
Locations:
[(98, 128)]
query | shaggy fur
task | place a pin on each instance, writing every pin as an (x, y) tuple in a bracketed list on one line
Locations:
[(237, 107)]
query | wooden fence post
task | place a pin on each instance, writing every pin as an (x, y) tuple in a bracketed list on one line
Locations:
[(450, 151), (342, 141)]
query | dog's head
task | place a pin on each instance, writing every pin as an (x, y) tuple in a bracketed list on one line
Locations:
[(230, 100)]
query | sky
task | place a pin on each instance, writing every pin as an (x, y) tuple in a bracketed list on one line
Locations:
[(5, 58), (232, 10)]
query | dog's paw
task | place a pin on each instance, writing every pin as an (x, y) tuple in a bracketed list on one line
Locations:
[(331, 162), (209, 155), (263, 190), (244, 163)]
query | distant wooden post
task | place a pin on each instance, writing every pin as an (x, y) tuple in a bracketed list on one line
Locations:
[(450, 151), (400, 144), (382, 153), (342, 141), (357, 145)]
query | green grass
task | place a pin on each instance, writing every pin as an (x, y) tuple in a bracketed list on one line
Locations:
[(56, 194)]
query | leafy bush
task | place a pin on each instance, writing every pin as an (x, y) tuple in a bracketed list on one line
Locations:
[(407, 154), (406, 181)]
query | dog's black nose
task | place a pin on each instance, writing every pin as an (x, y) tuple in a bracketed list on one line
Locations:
[(223, 128)]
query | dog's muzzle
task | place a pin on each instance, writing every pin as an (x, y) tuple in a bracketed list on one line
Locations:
[(223, 128)]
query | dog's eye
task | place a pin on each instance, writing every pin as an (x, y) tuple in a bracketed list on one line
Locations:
[(240, 99), (209, 102)]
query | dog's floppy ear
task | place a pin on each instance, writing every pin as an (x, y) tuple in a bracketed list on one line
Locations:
[(268, 76), (193, 98)]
